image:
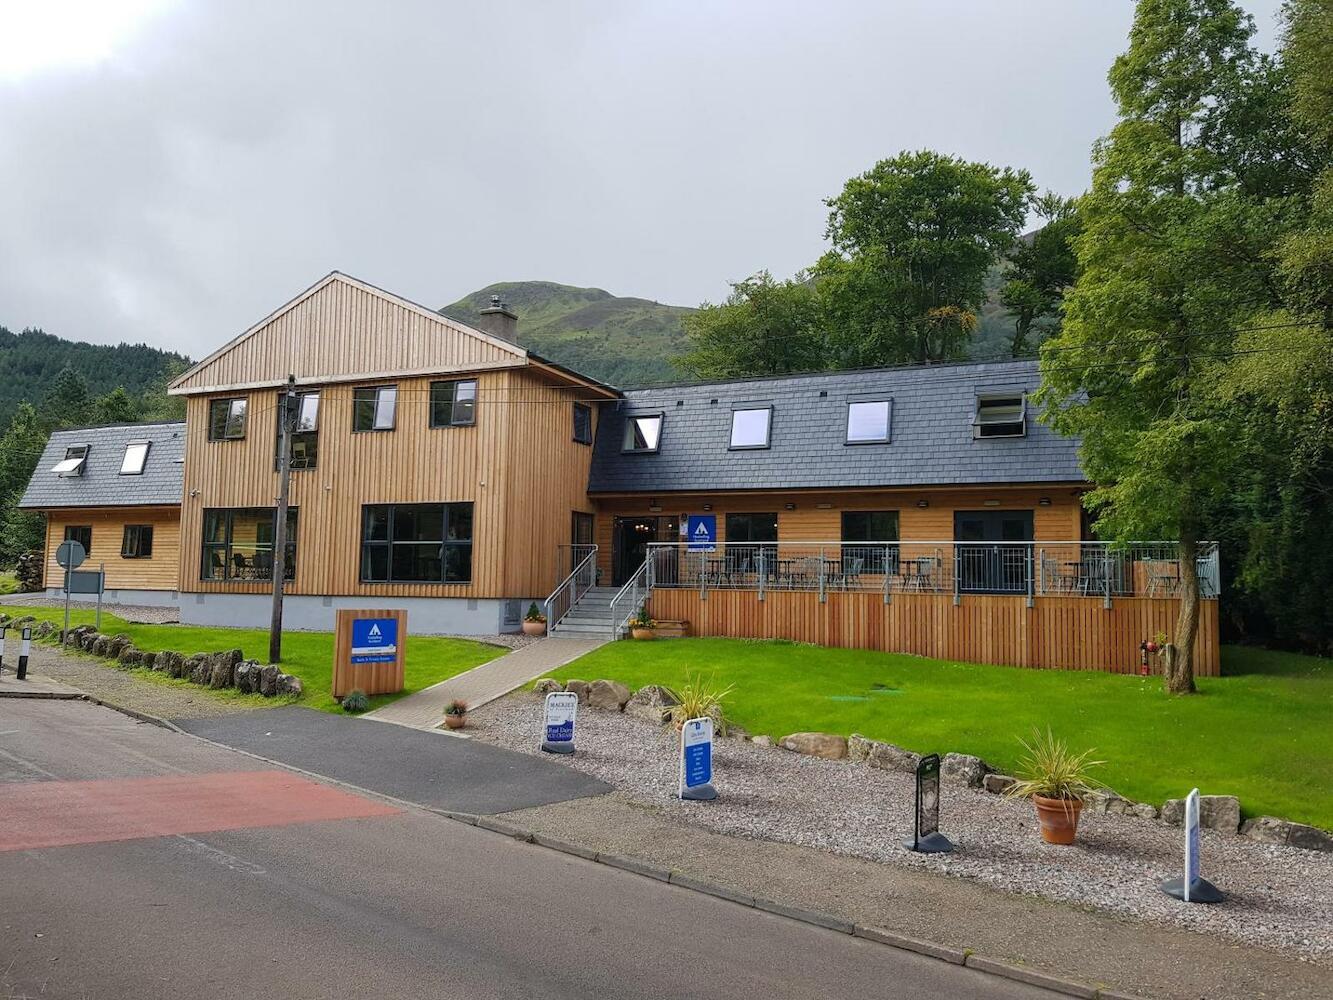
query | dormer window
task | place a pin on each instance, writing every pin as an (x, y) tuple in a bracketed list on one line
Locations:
[(76, 457), (136, 454), (1000, 415), (643, 433), (750, 426)]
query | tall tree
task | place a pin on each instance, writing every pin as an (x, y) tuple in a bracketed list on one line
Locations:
[(913, 238), (116, 407), (1167, 262), (67, 400), (20, 448), (1040, 269), (765, 327)]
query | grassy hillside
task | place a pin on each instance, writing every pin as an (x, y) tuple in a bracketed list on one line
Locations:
[(623, 341), (31, 359)]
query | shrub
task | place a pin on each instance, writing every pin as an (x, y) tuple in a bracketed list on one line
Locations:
[(355, 701), (534, 614), (1053, 771), (699, 698), (641, 618), (456, 707)]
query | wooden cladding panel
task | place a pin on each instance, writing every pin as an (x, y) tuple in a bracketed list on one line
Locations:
[(1065, 633), (160, 571), (343, 330)]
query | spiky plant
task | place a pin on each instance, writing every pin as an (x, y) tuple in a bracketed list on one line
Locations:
[(1053, 771)]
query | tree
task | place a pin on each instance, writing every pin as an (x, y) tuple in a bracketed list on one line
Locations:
[(116, 407), (1040, 269), (765, 327), (20, 448), (67, 401), (1171, 254), (912, 239)]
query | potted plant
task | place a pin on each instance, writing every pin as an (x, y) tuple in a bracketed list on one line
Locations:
[(534, 622), (641, 625), (455, 714), (1056, 780)]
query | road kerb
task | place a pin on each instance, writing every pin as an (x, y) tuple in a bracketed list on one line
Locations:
[(710, 888), (564, 847), (1030, 976), (469, 818), (956, 956), (500, 826), (634, 865), (826, 920)]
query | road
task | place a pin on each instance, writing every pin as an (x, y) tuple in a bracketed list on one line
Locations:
[(136, 862)]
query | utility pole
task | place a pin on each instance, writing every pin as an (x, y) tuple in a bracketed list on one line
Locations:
[(289, 405)]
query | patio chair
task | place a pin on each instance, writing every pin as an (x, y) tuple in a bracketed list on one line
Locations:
[(848, 575), (1056, 576), (1163, 574)]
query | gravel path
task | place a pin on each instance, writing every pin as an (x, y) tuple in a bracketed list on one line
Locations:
[(141, 614), (1278, 897), (120, 687)]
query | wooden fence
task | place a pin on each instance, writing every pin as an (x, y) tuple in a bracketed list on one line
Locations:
[(1065, 633)]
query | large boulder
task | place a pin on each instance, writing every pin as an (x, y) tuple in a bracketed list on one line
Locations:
[(88, 641), (221, 670), (99, 645), (884, 756), (176, 664), (829, 746), (547, 685), (129, 656), (998, 783), (609, 696), (964, 769), (579, 688), (1220, 812), (652, 702), (1173, 812), (198, 668), (244, 677), (43, 629), (268, 681), (291, 685)]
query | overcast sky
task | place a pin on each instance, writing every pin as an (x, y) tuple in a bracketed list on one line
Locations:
[(172, 171)]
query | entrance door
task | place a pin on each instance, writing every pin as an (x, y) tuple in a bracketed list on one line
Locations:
[(990, 568), (631, 536), (580, 541)]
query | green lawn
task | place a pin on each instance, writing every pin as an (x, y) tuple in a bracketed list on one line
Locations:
[(9, 583), (1263, 732), (307, 655)]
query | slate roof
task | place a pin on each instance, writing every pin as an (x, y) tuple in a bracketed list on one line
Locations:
[(101, 484), (931, 434)]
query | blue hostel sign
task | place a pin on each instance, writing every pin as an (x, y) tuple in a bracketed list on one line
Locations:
[(374, 640), (696, 760), (701, 532)]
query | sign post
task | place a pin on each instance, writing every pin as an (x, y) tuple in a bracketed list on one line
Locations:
[(1192, 888), (558, 711), (3, 630), (70, 556), (369, 651), (926, 836), (24, 647), (696, 760)]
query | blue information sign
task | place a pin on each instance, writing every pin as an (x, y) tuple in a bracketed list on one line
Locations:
[(374, 640), (701, 532), (696, 760)]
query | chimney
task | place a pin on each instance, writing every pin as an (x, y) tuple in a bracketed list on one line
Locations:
[(499, 320)]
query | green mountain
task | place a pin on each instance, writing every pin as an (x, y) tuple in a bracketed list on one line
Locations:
[(30, 360), (624, 341)]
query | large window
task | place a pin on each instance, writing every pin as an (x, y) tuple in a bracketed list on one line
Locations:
[(76, 457), (643, 432), (226, 419), (1000, 415), (374, 407), (749, 427), (136, 455), (752, 527), (868, 422), (583, 423), (238, 543), (416, 543), (860, 530), (81, 533), (137, 542), (305, 433), (453, 404)]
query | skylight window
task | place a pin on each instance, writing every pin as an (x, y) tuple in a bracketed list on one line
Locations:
[(749, 427), (868, 422), (643, 432), (1000, 415), (76, 457), (136, 454)]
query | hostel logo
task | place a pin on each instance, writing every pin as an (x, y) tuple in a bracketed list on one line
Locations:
[(375, 634)]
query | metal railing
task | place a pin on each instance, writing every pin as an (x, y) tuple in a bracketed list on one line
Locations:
[(579, 581), (637, 589), (1031, 569), (567, 557)]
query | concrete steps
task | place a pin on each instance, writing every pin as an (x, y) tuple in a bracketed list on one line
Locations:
[(590, 616)]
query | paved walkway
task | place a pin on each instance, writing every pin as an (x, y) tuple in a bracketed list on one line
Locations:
[(425, 709)]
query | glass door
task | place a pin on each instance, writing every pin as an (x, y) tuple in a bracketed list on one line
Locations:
[(984, 567)]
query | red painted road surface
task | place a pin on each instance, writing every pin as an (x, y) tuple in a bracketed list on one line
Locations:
[(59, 813)]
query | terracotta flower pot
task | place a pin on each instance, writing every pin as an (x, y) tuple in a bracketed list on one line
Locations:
[(534, 628), (642, 633), (1058, 818), (454, 721)]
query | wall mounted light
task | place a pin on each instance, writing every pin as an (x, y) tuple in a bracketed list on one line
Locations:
[(708, 506), (824, 506), (990, 503), (789, 506), (1045, 501), (923, 503), (655, 510)]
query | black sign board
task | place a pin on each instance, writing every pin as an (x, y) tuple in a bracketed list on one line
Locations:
[(926, 836), (82, 581)]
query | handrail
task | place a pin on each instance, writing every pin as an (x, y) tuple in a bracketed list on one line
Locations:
[(567, 592), (641, 580)]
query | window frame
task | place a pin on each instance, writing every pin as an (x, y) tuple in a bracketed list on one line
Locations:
[(734, 517), (376, 400), (231, 416), (980, 421), (72, 465), (880, 554), (887, 403), (448, 511), (225, 546), (586, 438), (305, 437), (86, 529), (453, 420), (142, 535), (768, 426), (631, 421), (147, 446)]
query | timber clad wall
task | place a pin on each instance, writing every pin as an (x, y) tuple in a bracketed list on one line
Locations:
[(160, 571), (1070, 633)]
